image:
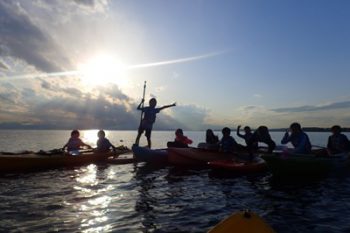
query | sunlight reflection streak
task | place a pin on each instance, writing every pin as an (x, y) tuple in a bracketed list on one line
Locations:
[(93, 208), (146, 65)]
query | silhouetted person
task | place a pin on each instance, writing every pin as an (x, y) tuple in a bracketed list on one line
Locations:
[(337, 142), (211, 138), (181, 141), (103, 144), (75, 143), (261, 134), (148, 119), (227, 143), (299, 139)]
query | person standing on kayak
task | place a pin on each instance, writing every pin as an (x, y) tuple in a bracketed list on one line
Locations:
[(299, 139), (337, 142), (75, 143), (148, 119)]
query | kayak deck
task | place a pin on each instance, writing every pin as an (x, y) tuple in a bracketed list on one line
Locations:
[(242, 222), (34, 162)]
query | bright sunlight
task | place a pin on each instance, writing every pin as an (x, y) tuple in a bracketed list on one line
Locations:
[(103, 69)]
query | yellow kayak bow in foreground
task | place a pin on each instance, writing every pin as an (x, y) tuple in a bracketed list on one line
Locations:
[(242, 222)]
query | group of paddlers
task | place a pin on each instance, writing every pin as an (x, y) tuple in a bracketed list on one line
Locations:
[(337, 142), (74, 143)]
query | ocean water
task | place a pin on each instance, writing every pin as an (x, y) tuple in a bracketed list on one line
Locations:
[(141, 198)]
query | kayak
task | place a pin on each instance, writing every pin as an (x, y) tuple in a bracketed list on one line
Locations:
[(238, 166), (194, 156), (242, 222), (33, 162), (305, 164), (145, 154), (121, 160)]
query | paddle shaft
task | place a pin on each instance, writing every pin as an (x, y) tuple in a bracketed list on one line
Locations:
[(143, 98)]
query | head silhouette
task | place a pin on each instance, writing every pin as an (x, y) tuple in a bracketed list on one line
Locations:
[(295, 127), (209, 133), (152, 102), (247, 129), (179, 132), (226, 131), (336, 129), (101, 134), (75, 133)]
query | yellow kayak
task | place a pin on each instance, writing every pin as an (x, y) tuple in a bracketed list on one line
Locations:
[(242, 222)]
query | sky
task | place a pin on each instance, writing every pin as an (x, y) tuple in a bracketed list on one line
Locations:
[(82, 64)]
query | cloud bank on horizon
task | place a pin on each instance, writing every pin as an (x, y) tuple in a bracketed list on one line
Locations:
[(242, 83)]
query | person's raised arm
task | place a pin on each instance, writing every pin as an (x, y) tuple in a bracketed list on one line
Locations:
[(238, 133), (167, 106), (285, 138), (139, 107)]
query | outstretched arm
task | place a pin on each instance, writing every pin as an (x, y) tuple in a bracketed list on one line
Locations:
[(88, 146), (167, 106)]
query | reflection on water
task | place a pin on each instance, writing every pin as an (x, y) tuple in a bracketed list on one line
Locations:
[(94, 209), (142, 198)]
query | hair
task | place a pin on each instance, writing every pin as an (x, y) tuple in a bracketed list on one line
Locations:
[(263, 130), (179, 131), (75, 132), (209, 132), (247, 128), (336, 128), (226, 130), (295, 126), (101, 132)]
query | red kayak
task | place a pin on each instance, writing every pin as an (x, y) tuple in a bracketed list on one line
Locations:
[(193, 156), (256, 165)]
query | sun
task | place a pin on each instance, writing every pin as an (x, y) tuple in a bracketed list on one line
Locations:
[(103, 69)]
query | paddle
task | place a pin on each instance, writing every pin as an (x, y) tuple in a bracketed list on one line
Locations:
[(142, 105), (321, 147), (143, 101), (17, 153)]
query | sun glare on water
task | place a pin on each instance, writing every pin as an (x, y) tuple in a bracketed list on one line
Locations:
[(103, 69)]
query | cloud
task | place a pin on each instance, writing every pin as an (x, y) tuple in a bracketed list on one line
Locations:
[(3, 66), (190, 116), (310, 108), (94, 5), (23, 39), (54, 105)]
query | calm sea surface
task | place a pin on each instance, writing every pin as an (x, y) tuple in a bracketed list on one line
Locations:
[(140, 198)]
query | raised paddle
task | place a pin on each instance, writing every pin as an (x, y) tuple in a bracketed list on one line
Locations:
[(142, 105), (143, 101)]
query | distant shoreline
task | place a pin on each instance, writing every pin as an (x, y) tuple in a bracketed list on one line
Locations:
[(306, 129)]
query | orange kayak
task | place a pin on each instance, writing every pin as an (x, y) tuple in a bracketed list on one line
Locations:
[(34, 162)]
